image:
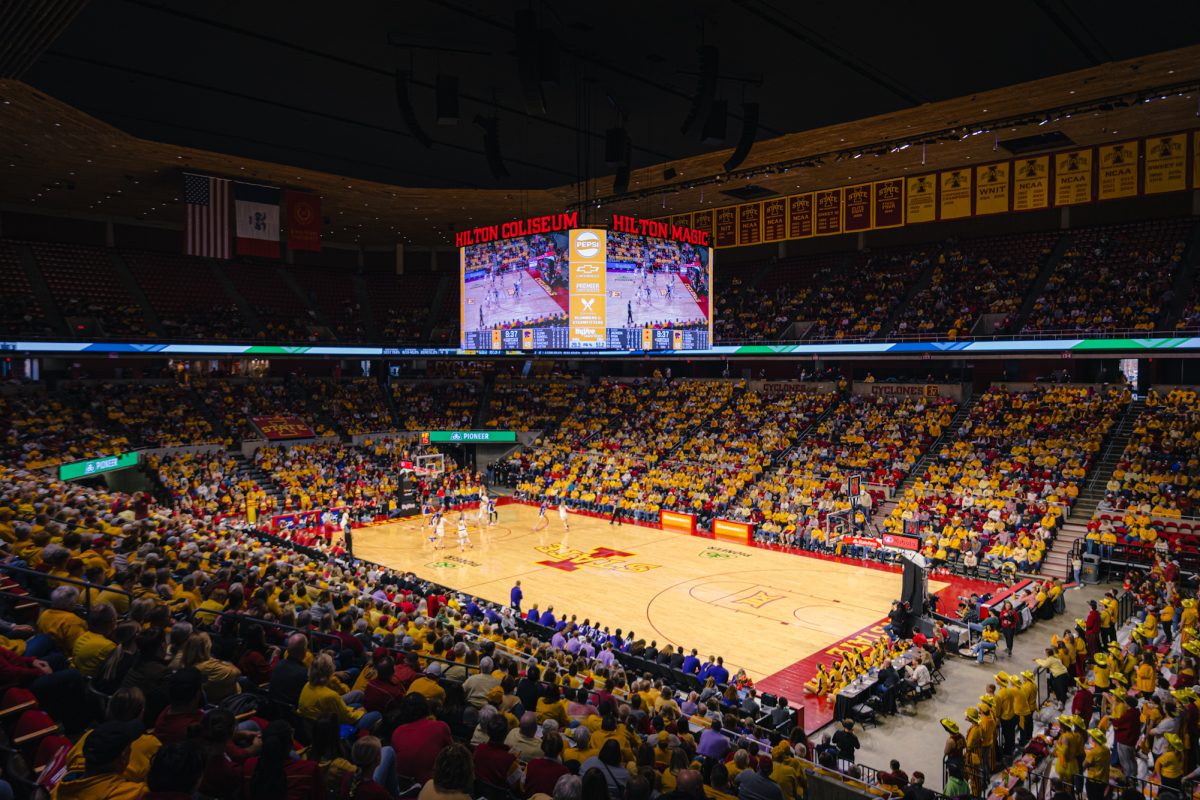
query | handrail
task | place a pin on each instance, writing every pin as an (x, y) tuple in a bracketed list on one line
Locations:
[(73, 581)]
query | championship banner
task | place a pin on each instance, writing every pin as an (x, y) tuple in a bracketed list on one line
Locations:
[(1166, 164), (674, 521), (991, 188), (955, 196), (730, 531), (682, 220), (920, 199), (750, 223), (725, 234), (1031, 184), (256, 209), (857, 208), (1117, 171), (1073, 177), (303, 210), (800, 216), (587, 322), (889, 203), (829, 212), (774, 225), (703, 221), (282, 426)]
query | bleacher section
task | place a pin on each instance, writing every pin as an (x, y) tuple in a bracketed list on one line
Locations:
[(189, 302), (20, 312), (1112, 278), (84, 284)]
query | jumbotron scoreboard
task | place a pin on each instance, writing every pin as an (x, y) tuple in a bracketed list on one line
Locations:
[(546, 284)]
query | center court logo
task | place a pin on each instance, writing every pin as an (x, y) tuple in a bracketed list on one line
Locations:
[(587, 244), (599, 557)]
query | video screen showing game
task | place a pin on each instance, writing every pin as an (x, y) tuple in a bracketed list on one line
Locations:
[(659, 294), (515, 293)]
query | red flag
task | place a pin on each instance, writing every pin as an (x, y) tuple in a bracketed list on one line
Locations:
[(303, 220)]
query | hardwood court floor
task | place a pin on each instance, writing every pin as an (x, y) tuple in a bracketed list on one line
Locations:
[(760, 610)]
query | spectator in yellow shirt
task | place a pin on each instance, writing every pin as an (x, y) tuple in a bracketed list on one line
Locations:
[(94, 645)]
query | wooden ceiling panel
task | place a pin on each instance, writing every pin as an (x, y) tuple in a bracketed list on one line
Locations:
[(55, 157)]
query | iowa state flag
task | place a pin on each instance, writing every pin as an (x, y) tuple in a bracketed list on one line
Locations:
[(256, 209)]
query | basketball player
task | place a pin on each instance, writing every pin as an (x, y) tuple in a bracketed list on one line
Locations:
[(440, 531), (481, 513), (493, 516), (670, 288), (464, 537), (481, 325), (542, 521), (426, 515), (628, 314), (562, 515)]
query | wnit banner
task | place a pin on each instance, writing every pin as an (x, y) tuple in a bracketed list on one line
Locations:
[(256, 209)]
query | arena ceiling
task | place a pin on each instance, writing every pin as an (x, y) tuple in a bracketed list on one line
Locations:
[(131, 91)]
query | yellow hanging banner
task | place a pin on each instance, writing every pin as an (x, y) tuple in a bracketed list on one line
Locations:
[(1117, 170), (1031, 183), (1166, 164), (920, 199), (991, 188), (955, 198), (1073, 177)]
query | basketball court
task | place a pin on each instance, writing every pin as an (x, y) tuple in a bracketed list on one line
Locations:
[(762, 610), (623, 290)]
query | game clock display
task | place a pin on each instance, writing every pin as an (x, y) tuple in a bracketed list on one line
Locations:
[(587, 289)]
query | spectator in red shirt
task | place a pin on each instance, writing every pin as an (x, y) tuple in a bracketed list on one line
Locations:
[(542, 773), (418, 739), (494, 763), (257, 658), (382, 692), (183, 710), (275, 774)]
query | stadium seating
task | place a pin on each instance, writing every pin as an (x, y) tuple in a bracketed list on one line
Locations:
[(1112, 278), (1004, 486), (189, 302), (20, 312), (84, 284), (440, 405), (972, 278), (282, 314), (525, 405)]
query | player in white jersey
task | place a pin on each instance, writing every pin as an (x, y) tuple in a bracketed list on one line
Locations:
[(464, 537), (562, 515), (481, 512), (440, 532)]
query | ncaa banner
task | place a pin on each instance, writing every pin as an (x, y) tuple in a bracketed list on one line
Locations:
[(1073, 177), (303, 220), (256, 209), (1031, 184), (1117, 171)]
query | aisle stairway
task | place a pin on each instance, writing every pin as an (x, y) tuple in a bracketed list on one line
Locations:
[(1075, 526), (248, 469)]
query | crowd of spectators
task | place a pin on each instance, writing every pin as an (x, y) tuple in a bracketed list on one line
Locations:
[(233, 664), (1114, 278), (995, 496), (234, 402), (972, 278), (440, 405), (877, 438), (354, 405), (523, 405), (1158, 472)]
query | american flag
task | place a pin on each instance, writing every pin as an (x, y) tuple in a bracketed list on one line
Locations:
[(208, 207)]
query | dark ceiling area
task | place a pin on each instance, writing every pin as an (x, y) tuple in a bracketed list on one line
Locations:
[(313, 84)]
